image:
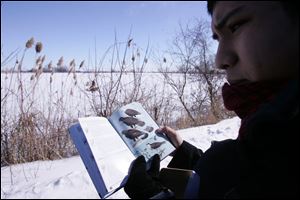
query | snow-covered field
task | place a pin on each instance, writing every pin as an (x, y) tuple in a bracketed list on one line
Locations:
[(68, 178), (75, 101)]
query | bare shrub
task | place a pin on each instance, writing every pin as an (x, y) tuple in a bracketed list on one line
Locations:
[(108, 91), (199, 87)]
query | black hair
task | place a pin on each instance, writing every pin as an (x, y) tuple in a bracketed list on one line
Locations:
[(210, 6), (290, 7)]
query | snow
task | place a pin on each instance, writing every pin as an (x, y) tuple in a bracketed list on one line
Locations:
[(68, 178), (75, 100)]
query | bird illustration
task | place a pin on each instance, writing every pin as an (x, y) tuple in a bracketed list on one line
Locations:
[(156, 145), (131, 121), (132, 134), (145, 136), (149, 129), (131, 112)]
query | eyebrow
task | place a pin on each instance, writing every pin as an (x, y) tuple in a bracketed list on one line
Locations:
[(223, 21)]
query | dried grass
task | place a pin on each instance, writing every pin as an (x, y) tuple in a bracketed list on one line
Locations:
[(29, 43), (38, 47), (34, 136)]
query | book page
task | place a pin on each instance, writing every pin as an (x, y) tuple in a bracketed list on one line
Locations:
[(109, 151), (137, 129), (86, 155)]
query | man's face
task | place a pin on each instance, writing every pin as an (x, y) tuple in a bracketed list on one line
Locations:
[(257, 41)]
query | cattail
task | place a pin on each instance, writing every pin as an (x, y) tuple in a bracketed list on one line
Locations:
[(29, 43), (145, 60), (60, 61), (72, 69), (165, 60), (132, 58), (72, 63), (39, 71), (81, 64), (32, 77), (43, 58), (129, 42), (38, 47), (51, 79), (138, 53), (38, 60), (49, 65), (74, 76)]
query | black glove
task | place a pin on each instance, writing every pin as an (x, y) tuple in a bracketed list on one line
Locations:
[(143, 184)]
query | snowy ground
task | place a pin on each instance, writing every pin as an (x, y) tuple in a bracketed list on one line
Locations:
[(68, 178)]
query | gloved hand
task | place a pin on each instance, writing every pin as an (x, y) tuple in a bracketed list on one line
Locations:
[(143, 184)]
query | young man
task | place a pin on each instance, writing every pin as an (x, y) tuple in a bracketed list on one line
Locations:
[(258, 48)]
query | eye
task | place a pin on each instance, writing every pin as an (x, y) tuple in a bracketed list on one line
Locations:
[(235, 26)]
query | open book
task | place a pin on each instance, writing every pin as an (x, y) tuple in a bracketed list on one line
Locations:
[(107, 146)]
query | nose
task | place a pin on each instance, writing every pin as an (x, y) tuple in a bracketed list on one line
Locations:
[(226, 56)]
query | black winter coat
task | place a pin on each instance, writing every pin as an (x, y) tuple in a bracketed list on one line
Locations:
[(264, 164)]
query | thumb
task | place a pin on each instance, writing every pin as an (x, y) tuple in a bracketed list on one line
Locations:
[(155, 166)]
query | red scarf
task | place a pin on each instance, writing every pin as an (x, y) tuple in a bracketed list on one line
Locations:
[(245, 99)]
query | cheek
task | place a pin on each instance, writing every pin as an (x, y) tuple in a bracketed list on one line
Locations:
[(262, 57), (271, 61), (261, 65), (269, 53), (250, 61)]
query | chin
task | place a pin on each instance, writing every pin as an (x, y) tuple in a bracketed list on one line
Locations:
[(238, 81)]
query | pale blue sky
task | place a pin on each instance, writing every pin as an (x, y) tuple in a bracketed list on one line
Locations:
[(69, 28)]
